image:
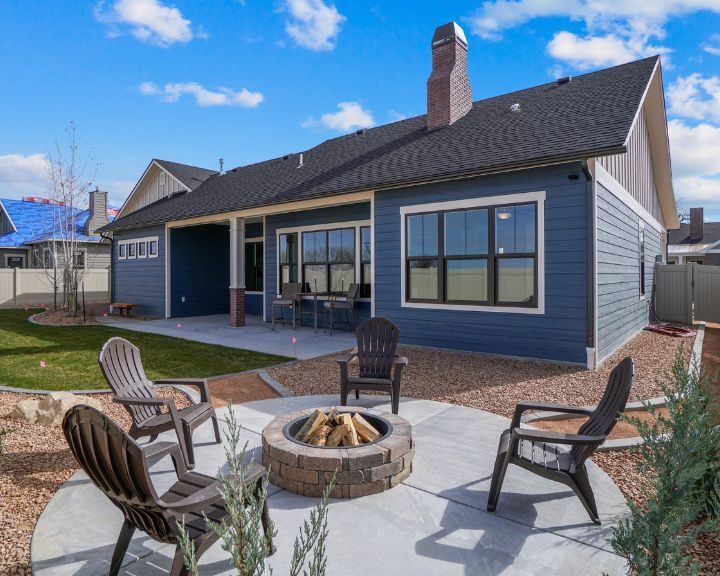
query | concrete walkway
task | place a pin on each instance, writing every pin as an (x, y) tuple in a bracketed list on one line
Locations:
[(434, 523), (256, 335)]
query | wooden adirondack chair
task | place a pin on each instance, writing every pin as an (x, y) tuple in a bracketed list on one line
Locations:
[(538, 450), (121, 364), (379, 367), (118, 467)]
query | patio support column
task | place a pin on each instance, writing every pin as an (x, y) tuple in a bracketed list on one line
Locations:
[(237, 271)]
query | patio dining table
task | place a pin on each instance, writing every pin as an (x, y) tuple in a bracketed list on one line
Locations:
[(315, 296)]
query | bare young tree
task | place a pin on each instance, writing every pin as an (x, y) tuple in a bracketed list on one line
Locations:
[(70, 179)]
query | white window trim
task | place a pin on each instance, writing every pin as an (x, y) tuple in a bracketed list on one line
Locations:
[(84, 253), (355, 224), (145, 240), (23, 256), (257, 240), (469, 203)]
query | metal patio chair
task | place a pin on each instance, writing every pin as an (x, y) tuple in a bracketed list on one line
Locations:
[(379, 367), (348, 305), (540, 452), (289, 298), (122, 367), (118, 467)]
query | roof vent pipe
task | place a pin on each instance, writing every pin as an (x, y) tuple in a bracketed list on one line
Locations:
[(564, 80), (222, 163), (300, 164)]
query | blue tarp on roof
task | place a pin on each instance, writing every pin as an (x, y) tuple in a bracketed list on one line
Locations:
[(34, 222)]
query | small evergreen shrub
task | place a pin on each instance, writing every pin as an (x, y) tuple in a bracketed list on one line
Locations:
[(677, 457)]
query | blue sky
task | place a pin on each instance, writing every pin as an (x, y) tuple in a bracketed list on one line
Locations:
[(249, 80)]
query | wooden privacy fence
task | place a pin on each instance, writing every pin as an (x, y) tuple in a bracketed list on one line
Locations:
[(21, 287), (687, 293)]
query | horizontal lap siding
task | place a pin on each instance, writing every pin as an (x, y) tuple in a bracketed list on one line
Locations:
[(621, 312), (254, 304), (200, 270), (140, 281), (559, 334), (345, 213)]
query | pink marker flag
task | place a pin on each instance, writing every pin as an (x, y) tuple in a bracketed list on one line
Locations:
[(178, 325), (42, 363), (105, 314), (294, 340), (26, 307)]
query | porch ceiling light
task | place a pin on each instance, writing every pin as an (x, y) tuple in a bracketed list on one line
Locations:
[(504, 214)]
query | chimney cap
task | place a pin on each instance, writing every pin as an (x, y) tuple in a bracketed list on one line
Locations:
[(448, 32)]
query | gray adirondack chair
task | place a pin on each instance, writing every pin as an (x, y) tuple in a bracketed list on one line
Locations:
[(541, 452), (289, 298), (379, 367), (121, 364), (347, 305), (118, 467)]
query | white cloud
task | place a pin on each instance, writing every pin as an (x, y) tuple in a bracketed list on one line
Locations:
[(695, 149), (712, 46), (313, 24), (616, 31), (22, 175), (149, 21), (695, 96), (172, 92), (351, 116)]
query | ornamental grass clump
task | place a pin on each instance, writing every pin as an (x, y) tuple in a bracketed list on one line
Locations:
[(242, 534), (678, 458)]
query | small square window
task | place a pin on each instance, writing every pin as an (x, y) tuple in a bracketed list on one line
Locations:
[(131, 250), (141, 249), (153, 247), (122, 251)]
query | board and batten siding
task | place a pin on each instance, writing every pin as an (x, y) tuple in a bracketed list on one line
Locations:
[(634, 169), (621, 312), (140, 281), (558, 334), (332, 215), (158, 184), (200, 270)]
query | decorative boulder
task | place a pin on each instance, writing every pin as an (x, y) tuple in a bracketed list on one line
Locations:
[(51, 410)]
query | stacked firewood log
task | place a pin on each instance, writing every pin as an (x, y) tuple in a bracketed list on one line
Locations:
[(336, 429)]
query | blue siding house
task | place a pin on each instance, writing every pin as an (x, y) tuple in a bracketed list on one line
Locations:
[(523, 225)]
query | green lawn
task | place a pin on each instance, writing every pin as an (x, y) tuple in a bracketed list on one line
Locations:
[(70, 355)]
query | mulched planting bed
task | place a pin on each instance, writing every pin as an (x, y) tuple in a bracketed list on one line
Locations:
[(62, 318), (35, 463), (496, 384)]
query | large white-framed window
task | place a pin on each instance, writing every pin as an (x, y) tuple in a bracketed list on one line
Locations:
[(138, 248), (641, 255), (326, 257), (479, 254)]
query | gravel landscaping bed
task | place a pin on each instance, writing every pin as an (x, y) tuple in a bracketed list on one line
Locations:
[(496, 384), (35, 463)]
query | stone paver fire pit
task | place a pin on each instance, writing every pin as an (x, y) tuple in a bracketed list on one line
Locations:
[(361, 470)]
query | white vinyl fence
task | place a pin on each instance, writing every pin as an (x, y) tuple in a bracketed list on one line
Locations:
[(23, 287)]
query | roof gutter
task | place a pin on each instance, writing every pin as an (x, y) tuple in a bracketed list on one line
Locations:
[(591, 276)]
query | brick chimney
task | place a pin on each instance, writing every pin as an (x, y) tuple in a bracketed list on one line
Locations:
[(98, 212), (697, 224), (448, 88)]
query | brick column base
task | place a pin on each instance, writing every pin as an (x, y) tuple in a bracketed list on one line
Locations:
[(237, 307)]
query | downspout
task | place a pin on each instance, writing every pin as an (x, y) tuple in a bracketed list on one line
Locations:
[(591, 280), (111, 280)]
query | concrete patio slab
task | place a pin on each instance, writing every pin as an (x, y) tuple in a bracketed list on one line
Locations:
[(256, 335), (433, 523)]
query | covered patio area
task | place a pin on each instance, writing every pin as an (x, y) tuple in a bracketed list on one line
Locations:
[(255, 335)]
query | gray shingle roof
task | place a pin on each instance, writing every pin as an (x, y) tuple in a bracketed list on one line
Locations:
[(191, 176), (711, 234), (590, 116)]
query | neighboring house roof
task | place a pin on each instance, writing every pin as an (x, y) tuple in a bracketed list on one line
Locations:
[(588, 117), (190, 176), (33, 222), (679, 240)]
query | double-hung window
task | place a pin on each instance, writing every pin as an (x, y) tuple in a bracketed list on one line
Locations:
[(475, 256), (254, 266), (365, 262), (288, 250)]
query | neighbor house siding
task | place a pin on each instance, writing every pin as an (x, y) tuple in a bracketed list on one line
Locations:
[(158, 184), (558, 334), (634, 169), (97, 255), (140, 281), (345, 213), (200, 270), (621, 312)]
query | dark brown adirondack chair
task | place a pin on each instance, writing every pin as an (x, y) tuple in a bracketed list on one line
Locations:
[(118, 467), (121, 364), (379, 367), (538, 450)]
